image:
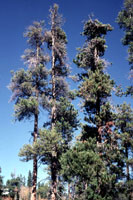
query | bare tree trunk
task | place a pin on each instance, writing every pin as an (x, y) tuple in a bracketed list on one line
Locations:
[(34, 183), (33, 192), (53, 79), (54, 179), (35, 134)]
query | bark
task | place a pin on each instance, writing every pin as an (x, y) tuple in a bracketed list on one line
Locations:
[(54, 179), (34, 183), (35, 134), (53, 76)]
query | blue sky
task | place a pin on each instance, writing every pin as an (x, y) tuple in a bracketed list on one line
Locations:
[(15, 16)]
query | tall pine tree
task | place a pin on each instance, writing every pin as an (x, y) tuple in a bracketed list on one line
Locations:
[(63, 115), (94, 89), (29, 87)]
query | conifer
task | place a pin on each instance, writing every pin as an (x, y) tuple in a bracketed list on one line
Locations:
[(29, 87), (125, 21), (95, 85), (124, 124), (95, 89)]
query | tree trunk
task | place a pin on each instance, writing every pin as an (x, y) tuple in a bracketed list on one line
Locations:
[(35, 134), (53, 78), (34, 182), (54, 179)]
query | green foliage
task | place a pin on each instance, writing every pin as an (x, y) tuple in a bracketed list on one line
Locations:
[(43, 190), (95, 32), (63, 122), (80, 154), (93, 29), (14, 185), (23, 86), (125, 21), (29, 179), (48, 144), (66, 119), (60, 41), (20, 85), (98, 166), (56, 40), (27, 152), (25, 108), (125, 190), (95, 85), (83, 164), (124, 126), (29, 87), (100, 172)]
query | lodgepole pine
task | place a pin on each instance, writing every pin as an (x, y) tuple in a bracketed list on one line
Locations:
[(29, 87), (56, 39), (95, 85)]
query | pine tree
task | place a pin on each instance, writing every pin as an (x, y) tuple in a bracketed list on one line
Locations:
[(96, 85), (56, 41), (29, 87), (78, 169), (95, 89), (61, 108), (124, 124), (125, 21)]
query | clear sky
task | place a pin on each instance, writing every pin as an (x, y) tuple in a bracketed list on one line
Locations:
[(15, 16)]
